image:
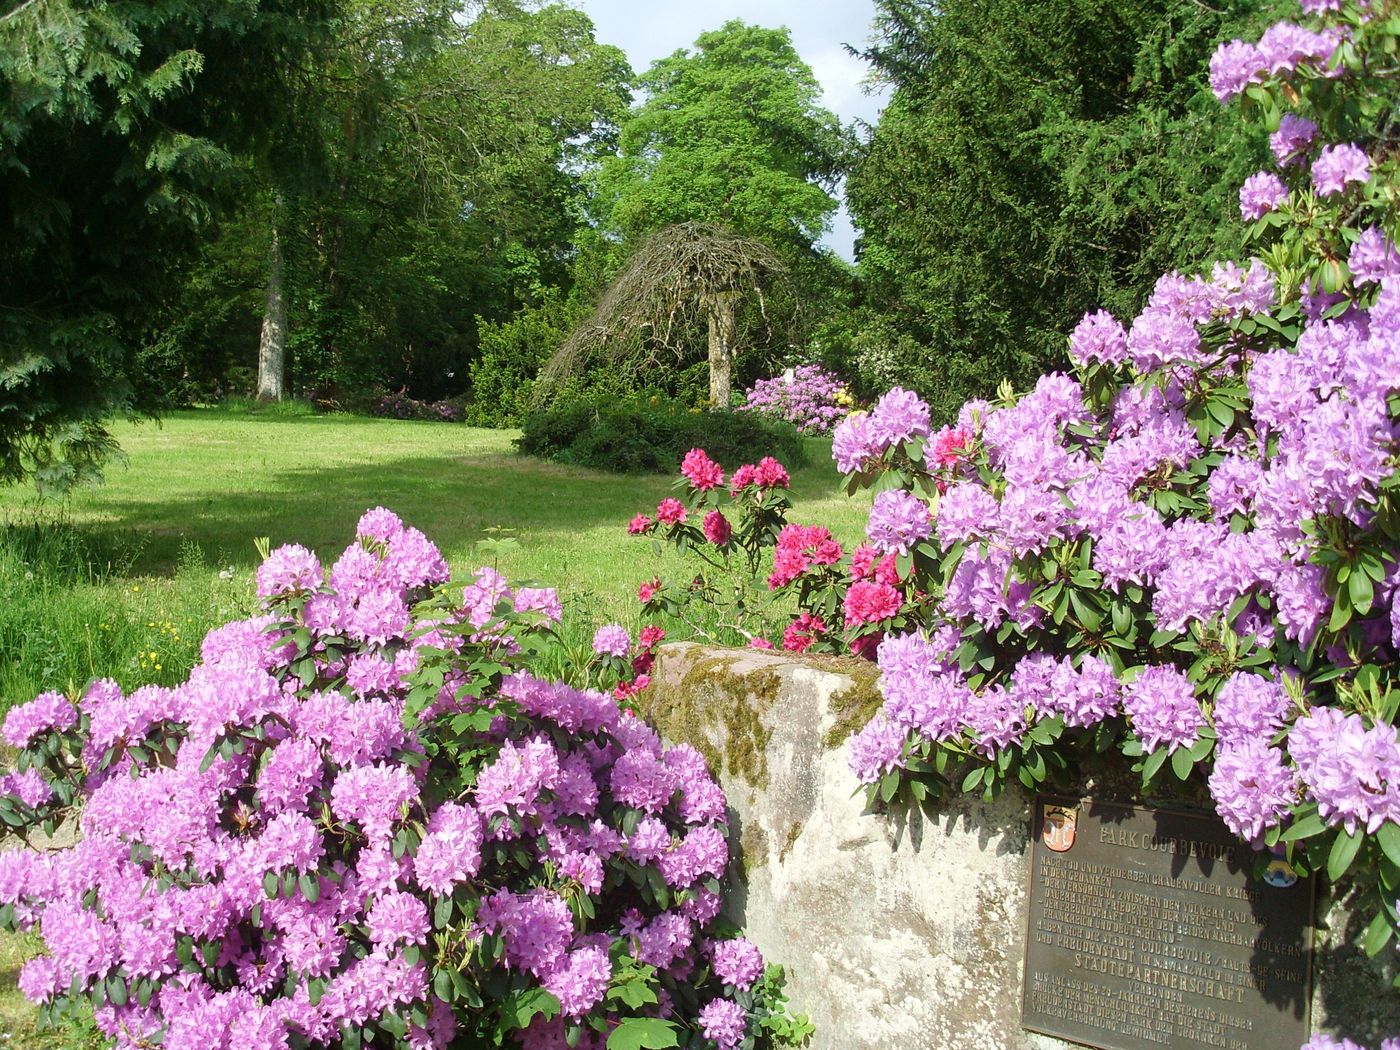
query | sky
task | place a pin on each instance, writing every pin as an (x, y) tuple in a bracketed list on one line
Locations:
[(650, 29)]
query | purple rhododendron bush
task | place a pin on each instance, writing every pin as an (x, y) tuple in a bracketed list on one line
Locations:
[(809, 397), (363, 821), (1186, 553)]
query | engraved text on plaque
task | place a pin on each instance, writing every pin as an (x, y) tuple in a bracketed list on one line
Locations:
[(1148, 929)]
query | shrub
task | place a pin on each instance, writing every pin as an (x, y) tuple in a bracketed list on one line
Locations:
[(399, 405), (363, 820), (729, 529), (650, 435), (512, 351), (809, 397)]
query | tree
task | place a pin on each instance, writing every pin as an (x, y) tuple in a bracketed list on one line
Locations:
[(676, 275), (728, 145), (1034, 161), (124, 131), (449, 188), (731, 134)]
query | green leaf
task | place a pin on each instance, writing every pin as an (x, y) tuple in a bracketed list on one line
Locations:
[(116, 991), (1361, 591), (1388, 835), (1378, 934), (1306, 828), (1154, 763), (1344, 851), (310, 887), (889, 786), (637, 1033), (522, 1007), (1182, 763), (442, 985), (442, 913)]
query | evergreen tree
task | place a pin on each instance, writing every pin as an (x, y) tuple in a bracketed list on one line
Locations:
[(1035, 161), (124, 130)]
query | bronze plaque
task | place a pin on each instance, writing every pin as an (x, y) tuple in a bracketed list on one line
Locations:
[(1147, 929)]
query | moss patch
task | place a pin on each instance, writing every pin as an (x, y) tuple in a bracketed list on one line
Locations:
[(753, 847), (854, 706), (794, 830), (719, 710)]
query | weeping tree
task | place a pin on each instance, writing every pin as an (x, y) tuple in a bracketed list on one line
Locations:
[(677, 277)]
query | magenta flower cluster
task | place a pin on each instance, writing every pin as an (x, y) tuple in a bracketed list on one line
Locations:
[(337, 823)]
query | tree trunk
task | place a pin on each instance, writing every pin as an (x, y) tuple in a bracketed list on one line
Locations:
[(272, 346), (721, 307)]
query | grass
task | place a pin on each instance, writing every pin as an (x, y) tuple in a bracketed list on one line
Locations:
[(17, 1016), (124, 579)]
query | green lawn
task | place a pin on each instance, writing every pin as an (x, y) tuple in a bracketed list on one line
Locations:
[(124, 579)]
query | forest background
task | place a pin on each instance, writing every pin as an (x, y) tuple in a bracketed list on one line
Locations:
[(401, 206)]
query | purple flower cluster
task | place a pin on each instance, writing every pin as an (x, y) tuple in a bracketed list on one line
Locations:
[(611, 640), (1339, 166), (898, 521), (289, 836), (861, 437), (1284, 48), (1261, 193), (808, 396), (1172, 514)]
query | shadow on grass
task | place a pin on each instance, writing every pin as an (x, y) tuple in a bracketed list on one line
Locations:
[(454, 499)]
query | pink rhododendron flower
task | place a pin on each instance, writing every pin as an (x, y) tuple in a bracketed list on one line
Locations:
[(717, 528), (701, 471), (670, 511)]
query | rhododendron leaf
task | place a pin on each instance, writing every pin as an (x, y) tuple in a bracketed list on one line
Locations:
[(1343, 852), (442, 985), (1304, 827), (442, 913), (1153, 765), (1388, 836), (349, 1036), (889, 786), (1378, 934), (116, 991), (1341, 615), (973, 778), (521, 1007), (1362, 592), (310, 887), (270, 884), (643, 1033), (1182, 763), (1090, 617), (1203, 746)]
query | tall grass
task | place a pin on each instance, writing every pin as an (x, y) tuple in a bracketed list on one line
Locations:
[(75, 610)]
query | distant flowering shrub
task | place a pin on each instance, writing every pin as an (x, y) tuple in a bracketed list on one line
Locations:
[(363, 821), (399, 405), (810, 398)]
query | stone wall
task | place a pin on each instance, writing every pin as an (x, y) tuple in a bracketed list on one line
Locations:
[(898, 932)]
